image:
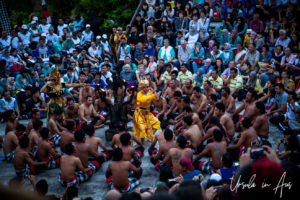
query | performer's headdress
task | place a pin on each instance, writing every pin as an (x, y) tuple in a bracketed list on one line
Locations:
[(54, 74), (143, 83)]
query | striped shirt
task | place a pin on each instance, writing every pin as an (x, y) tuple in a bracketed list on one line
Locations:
[(184, 76), (218, 84), (236, 82)]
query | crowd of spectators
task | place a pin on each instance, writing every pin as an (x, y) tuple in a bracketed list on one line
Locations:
[(205, 56)]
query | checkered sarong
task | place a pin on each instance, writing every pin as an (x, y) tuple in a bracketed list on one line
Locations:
[(55, 139), (132, 183), (52, 162), (9, 156)]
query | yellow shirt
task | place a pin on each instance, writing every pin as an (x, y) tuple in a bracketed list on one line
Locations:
[(236, 82), (184, 76), (218, 84), (145, 101)]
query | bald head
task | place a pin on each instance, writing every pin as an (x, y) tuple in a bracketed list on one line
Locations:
[(112, 195)]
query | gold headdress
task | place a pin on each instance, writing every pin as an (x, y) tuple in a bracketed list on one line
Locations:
[(54, 74), (143, 83)]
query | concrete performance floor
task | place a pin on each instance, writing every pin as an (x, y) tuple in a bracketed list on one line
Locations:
[(96, 187)]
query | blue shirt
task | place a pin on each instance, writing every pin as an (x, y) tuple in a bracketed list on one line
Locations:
[(191, 174), (206, 70), (102, 84)]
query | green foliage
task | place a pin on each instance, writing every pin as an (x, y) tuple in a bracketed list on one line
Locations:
[(119, 11)]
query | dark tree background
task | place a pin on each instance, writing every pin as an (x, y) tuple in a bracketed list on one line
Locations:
[(112, 12)]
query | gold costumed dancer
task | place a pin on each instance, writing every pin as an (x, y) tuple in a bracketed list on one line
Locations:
[(143, 120), (54, 89)]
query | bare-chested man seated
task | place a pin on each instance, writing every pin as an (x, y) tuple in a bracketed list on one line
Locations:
[(170, 91), (12, 141), (208, 89), (199, 100), (96, 141), (213, 124), (67, 135), (55, 128), (158, 137), (176, 154), (187, 88), (216, 150), (174, 110), (12, 121), (249, 107), (129, 153), (118, 176), (86, 91), (261, 122), (72, 109), (225, 120), (45, 151), (192, 133), (163, 149), (248, 135), (34, 136), (86, 153), (35, 115), (88, 114), (69, 164), (23, 163), (161, 106), (187, 111), (228, 100)]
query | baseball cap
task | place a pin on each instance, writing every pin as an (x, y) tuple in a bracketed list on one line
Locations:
[(187, 163), (98, 37), (35, 18), (33, 22), (216, 14), (104, 36), (44, 35), (24, 26), (87, 26), (249, 30)]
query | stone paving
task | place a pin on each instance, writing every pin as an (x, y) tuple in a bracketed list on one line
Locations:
[(96, 187)]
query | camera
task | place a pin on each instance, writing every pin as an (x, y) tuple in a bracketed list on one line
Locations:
[(257, 153)]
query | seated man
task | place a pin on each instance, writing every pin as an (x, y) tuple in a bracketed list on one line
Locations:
[(248, 135), (213, 124), (88, 114), (176, 154), (174, 110), (228, 100), (216, 149), (192, 133), (225, 120), (158, 137), (168, 94), (117, 173), (116, 138), (11, 142), (199, 100), (94, 141), (12, 121), (34, 136), (261, 122), (35, 115), (45, 151), (69, 164), (8, 103), (55, 128), (67, 135), (187, 111), (85, 152), (72, 109), (164, 148), (129, 153), (23, 163)]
